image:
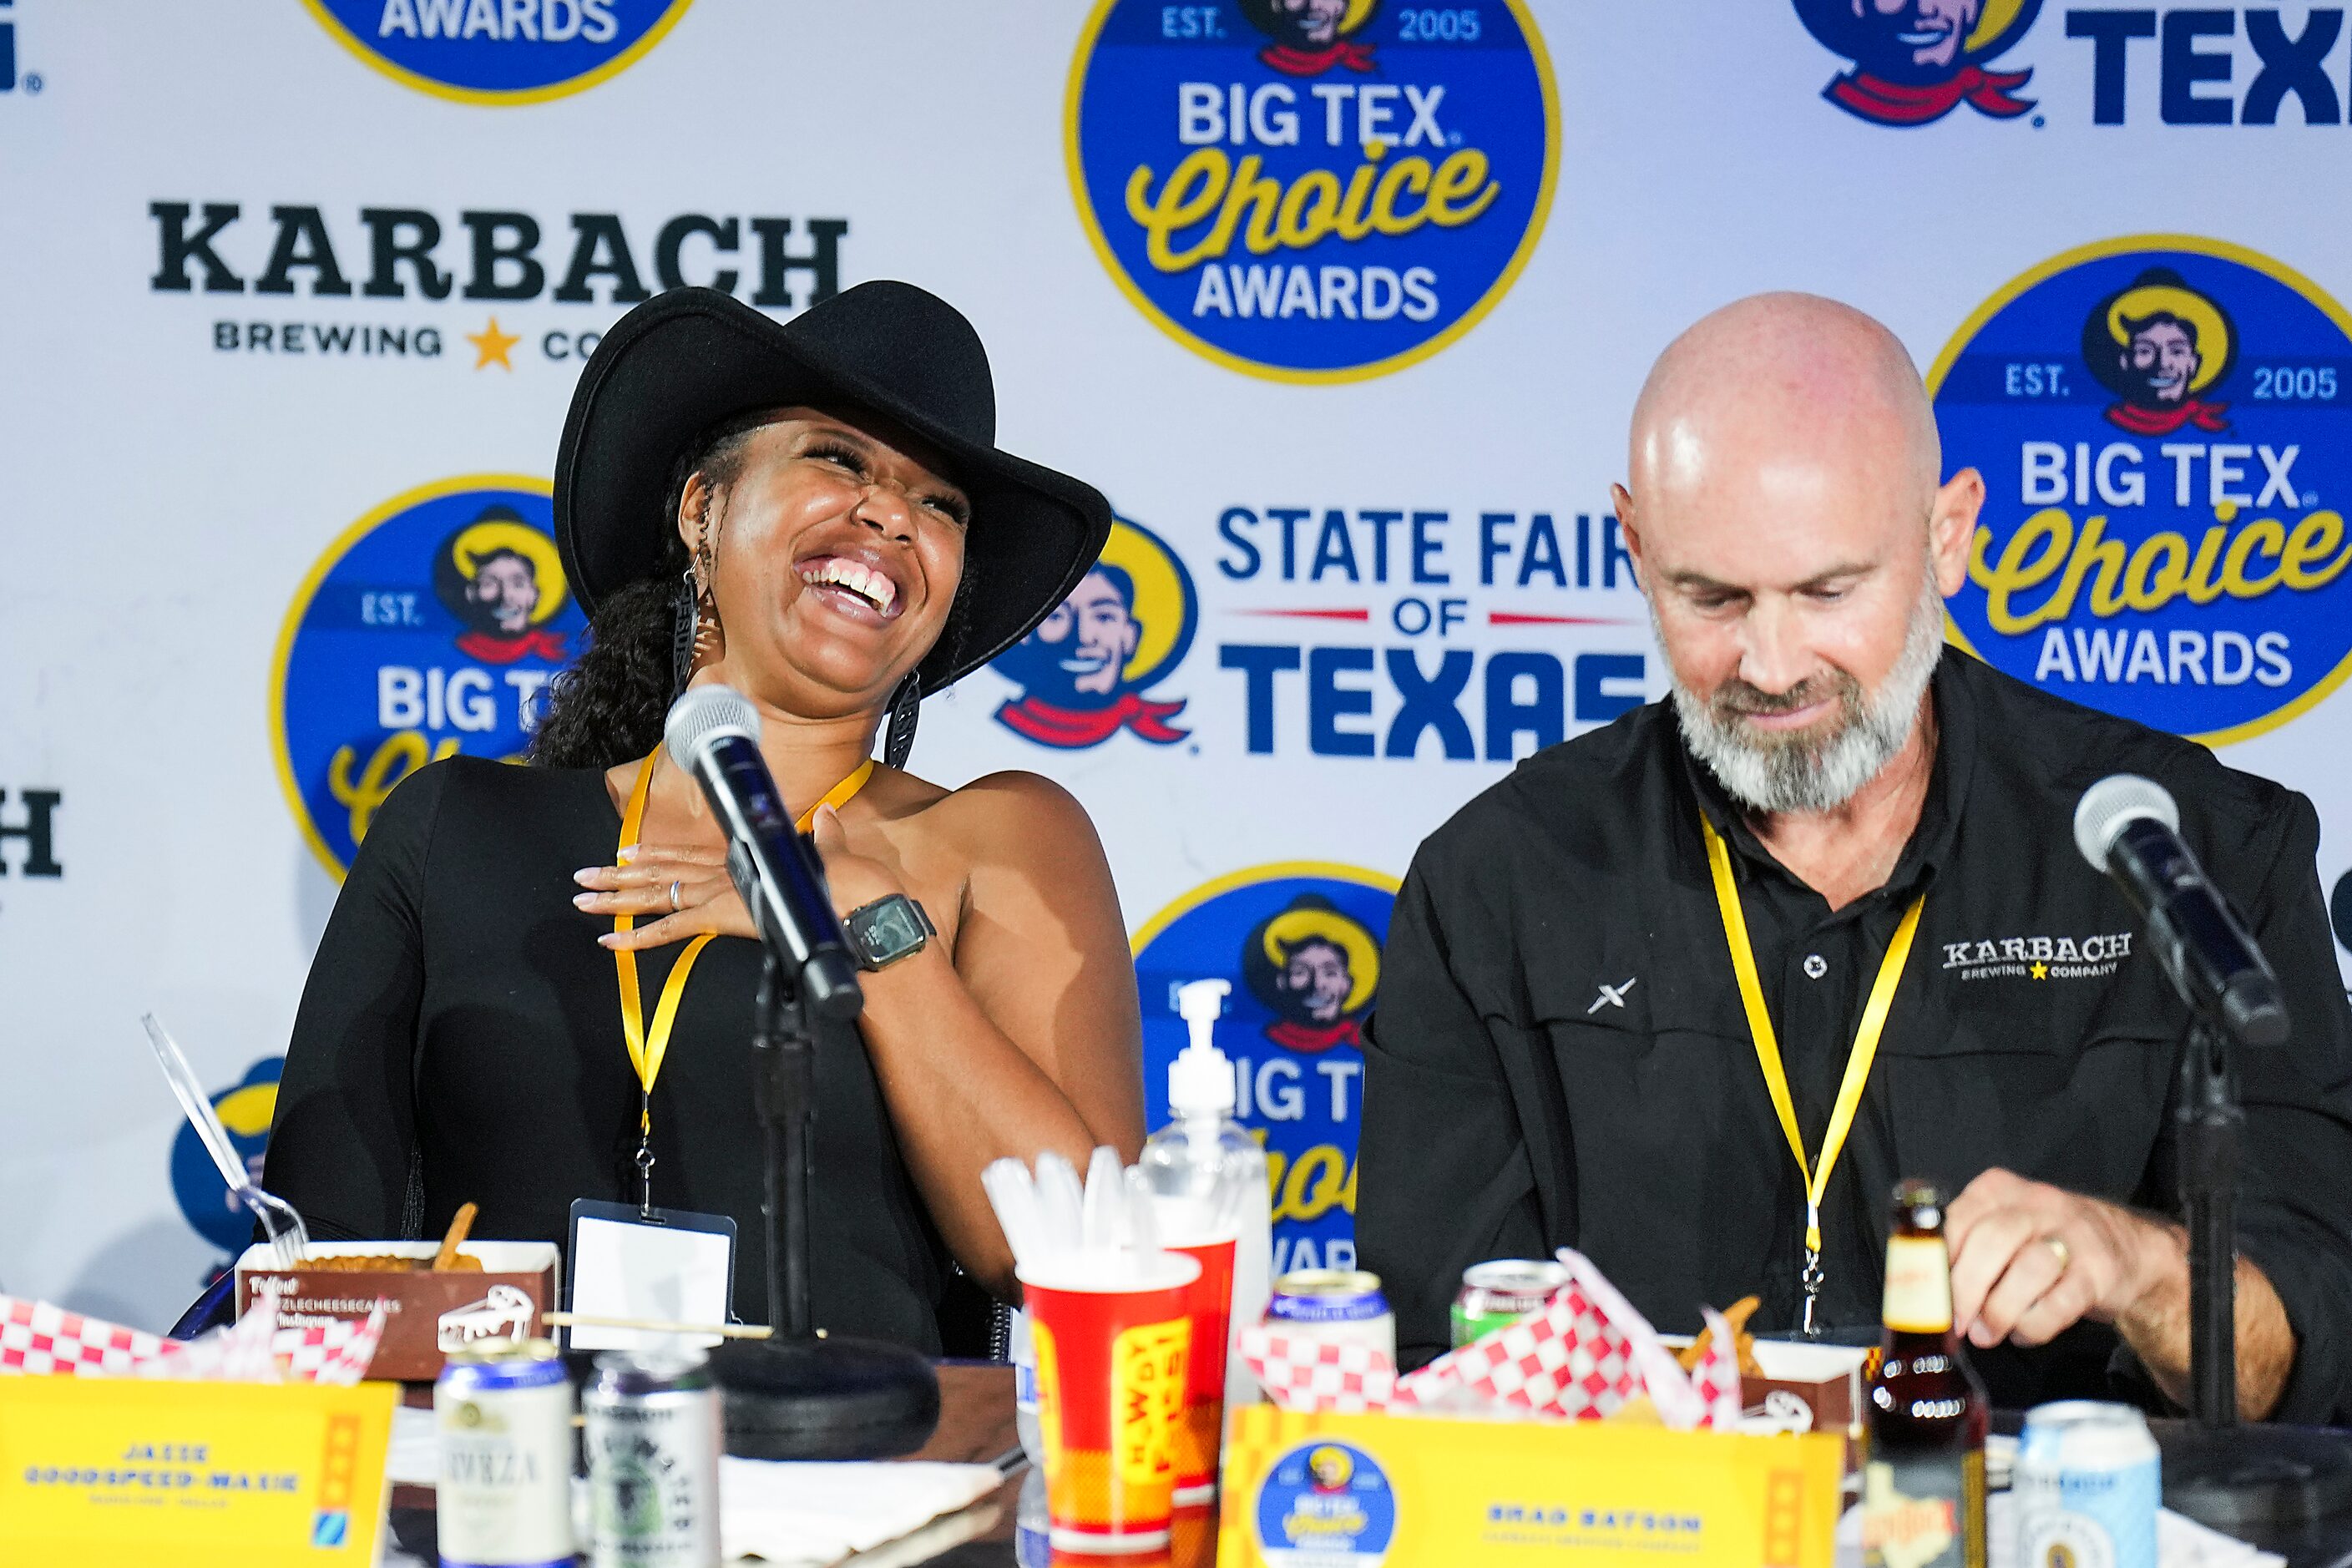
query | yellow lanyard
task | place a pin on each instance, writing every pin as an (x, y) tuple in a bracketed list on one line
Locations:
[(648, 1045), (1768, 1048)]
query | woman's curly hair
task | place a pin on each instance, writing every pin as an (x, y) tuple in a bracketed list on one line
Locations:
[(608, 708)]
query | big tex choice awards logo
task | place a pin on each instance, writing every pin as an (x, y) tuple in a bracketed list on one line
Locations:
[(1300, 943), (499, 51), (1312, 190), (1916, 61), (432, 627), (2161, 423), (1084, 672)]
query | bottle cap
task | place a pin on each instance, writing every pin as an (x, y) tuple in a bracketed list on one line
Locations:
[(1200, 1079)]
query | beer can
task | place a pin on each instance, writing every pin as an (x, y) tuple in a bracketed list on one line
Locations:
[(1335, 1306), (2086, 1486), (503, 1418), (1500, 1292), (653, 1441)]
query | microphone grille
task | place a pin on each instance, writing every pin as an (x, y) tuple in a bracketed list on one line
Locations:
[(2114, 801), (705, 711)]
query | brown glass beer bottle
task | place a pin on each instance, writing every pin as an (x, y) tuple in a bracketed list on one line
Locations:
[(1923, 1494)]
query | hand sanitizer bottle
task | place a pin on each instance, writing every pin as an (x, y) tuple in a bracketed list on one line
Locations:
[(1209, 1176)]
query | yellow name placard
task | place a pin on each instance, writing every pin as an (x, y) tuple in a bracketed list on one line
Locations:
[(1353, 1491), (123, 1473)]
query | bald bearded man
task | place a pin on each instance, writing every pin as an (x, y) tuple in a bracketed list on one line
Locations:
[(1562, 1056)]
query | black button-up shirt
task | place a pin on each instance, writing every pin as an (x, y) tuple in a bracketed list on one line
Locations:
[(1561, 1057)]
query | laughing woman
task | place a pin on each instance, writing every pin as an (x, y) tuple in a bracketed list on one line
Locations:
[(816, 514)]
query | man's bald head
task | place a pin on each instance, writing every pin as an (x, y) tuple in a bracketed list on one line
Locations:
[(1785, 515), (1785, 373)]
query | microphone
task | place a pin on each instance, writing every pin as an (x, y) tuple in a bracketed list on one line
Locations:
[(2128, 827), (713, 734)]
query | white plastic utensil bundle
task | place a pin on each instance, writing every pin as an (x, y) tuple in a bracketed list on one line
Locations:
[(1060, 1227)]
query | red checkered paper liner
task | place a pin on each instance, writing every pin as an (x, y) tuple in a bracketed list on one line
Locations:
[(338, 1351), (38, 1339), (1300, 1374), (1585, 1356)]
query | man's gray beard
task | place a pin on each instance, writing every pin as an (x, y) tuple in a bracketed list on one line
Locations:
[(1806, 773)]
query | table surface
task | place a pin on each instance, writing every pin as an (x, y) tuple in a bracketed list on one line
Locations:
[(976, 1426)]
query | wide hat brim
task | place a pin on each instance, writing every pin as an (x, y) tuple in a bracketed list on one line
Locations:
[(689, 359)]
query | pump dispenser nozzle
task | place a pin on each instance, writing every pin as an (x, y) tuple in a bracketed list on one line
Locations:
[(1200, 1079)]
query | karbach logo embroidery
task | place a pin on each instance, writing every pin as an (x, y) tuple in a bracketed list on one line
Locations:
[(499, 51), (1124, 628), (1915, 61), (2038, 957), (1312, 190), (2160, 421), (432, 627)]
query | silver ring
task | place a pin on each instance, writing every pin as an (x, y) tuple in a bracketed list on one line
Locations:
[(673, 895)]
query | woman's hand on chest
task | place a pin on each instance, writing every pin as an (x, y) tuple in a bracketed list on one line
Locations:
[(677, 886)]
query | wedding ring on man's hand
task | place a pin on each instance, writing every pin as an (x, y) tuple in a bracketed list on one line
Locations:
[(674, 905), (2065, 1254)]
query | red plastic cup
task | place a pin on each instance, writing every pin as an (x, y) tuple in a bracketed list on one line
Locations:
[(1209, 1304), (1111, 1355)]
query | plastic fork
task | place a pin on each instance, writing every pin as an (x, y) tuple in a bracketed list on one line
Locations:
[(290, 1239)]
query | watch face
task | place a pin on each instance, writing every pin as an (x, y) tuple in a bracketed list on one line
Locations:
[(889, 930)]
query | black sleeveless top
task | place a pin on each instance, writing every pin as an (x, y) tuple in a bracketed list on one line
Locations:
[(461, 1022)]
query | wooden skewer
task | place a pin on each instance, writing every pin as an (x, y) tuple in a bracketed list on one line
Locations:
[(459, 1224), (655, 1326)]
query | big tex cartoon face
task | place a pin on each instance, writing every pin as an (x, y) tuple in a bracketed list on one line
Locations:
[(1082, 673), (1915, 61), (1921, 33), (1089, 639)]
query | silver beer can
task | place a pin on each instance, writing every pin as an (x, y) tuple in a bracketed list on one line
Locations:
[(2086, 1486), (503, 1418), (1334, 1306), (653, 1439)]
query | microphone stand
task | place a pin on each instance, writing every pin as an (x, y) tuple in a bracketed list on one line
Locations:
[(2210, 1122), (803, 1393), (2234, 1479)]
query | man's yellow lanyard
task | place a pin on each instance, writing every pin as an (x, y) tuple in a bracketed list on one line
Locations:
[(1767, 1049), (649, 1044)]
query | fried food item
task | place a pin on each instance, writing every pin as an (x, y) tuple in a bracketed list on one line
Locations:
[(372, 1263), (459, 1224), (1743, 1343)]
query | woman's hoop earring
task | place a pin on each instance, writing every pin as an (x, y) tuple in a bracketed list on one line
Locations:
[(685, 617), (905, 707)]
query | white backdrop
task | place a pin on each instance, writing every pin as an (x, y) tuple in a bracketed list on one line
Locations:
[(166, 499)]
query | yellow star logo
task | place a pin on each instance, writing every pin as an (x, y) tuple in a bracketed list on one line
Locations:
[(490, 346), (2041, 972)]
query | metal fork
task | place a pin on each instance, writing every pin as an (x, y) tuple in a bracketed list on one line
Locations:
[(290, 1239)]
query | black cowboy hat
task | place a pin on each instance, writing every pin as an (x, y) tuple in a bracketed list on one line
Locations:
[(686, 360)]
